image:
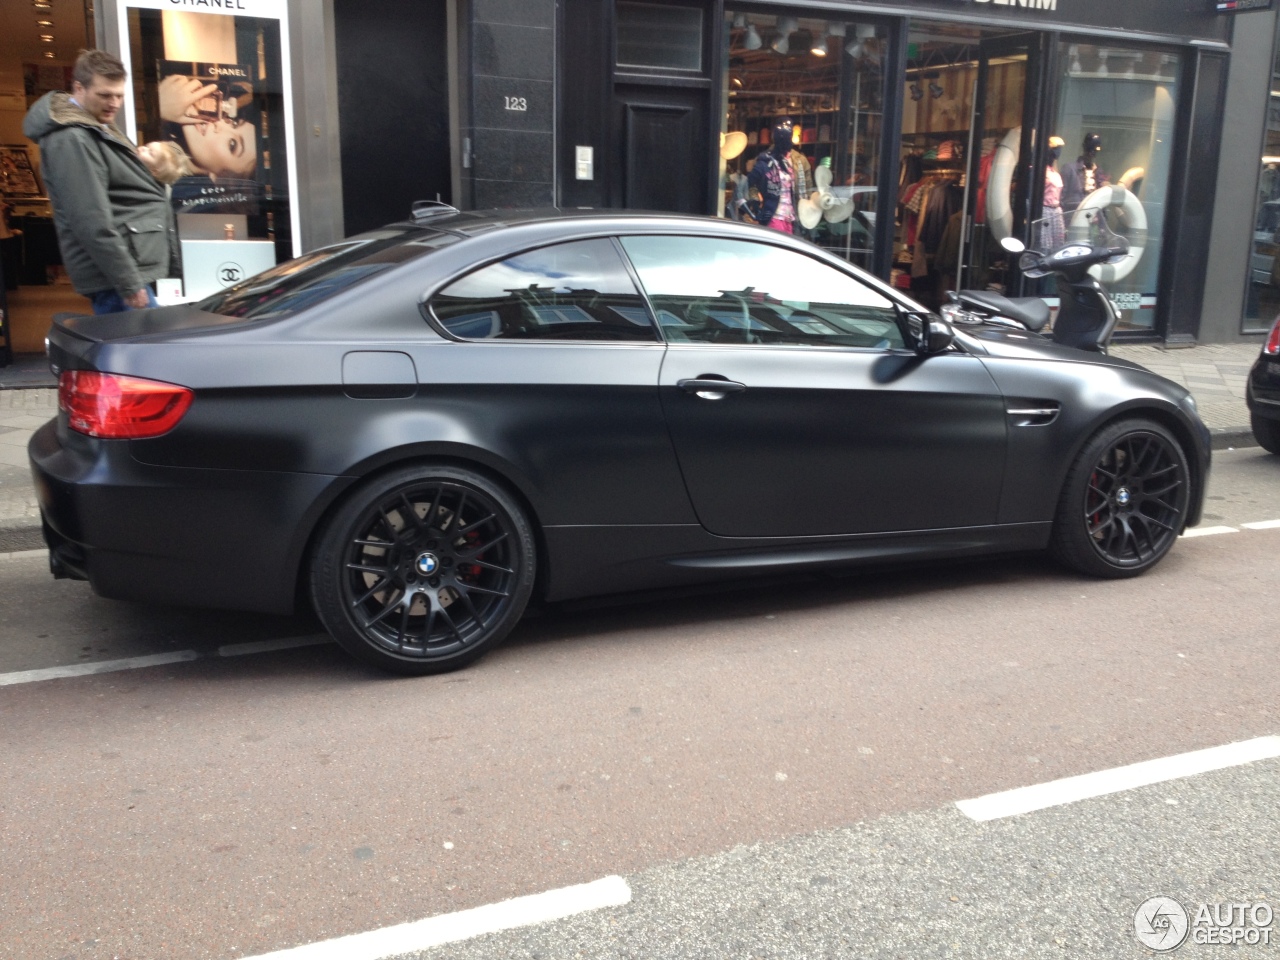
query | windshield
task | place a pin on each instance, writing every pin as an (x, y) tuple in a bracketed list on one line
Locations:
[(295, 284)]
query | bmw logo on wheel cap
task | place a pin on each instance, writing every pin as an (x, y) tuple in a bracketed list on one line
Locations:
[(427, 564), (1123, 496)]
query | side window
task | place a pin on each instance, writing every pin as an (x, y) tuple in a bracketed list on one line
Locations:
[(709, 290), (571, 291)]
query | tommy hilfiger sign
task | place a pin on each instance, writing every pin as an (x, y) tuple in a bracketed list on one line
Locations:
[(1029, 4)]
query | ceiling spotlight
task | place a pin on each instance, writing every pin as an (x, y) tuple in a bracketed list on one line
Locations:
[(739, 21), (917, 91), (935, 89), (736, 81), (781, 44), (819, 46), (44, 23), (788, 25), (47, 37), (50, 54), (752, 41), (866, 31), (836, 29)]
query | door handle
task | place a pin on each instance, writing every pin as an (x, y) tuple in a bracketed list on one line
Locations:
[(711, 389)]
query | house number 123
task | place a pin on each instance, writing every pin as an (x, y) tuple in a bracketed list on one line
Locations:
[(516, 103)]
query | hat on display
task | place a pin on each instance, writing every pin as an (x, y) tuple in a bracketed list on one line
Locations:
[(732, 144), (1056, 142), (1092, 142)]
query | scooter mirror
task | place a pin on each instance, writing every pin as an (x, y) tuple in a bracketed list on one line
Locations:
[(1013, 245)]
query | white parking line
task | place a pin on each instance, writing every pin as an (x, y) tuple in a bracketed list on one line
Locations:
[(1262, 525), (1208, 531), (101, 666), (156, 660), (267, 646), (452, 927), (1057, 792)]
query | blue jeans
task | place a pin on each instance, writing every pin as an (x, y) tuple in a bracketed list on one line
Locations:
[(109, 301)]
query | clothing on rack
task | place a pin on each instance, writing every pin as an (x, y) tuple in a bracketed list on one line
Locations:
[(927, 208)]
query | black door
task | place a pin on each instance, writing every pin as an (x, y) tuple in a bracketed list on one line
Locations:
[(664, 149), (827, 423), (393, 96)]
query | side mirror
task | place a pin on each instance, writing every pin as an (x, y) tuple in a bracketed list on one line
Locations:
[(1013, 245), (936, 336)]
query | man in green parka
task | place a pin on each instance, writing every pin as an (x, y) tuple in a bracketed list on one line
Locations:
[(115, 227)]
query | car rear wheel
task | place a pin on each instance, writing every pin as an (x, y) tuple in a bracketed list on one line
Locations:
[(1125, 501), (424, 569), (1267, 433)]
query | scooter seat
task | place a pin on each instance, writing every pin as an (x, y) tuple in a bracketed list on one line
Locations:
[(1031, 312)]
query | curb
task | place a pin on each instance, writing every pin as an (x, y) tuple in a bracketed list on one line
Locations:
[(1227, 438), (21, 534)]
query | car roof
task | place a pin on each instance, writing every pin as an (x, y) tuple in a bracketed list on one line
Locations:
[(474, 222)]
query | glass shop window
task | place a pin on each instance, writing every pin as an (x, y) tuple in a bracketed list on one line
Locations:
[(1263, 302), (825, 76), (1116, 116), (659, 37)]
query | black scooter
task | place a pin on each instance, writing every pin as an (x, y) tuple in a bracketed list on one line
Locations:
[(1086, 315)]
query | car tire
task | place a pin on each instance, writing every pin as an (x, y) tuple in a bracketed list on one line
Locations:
[(451, 582), (1266, 432), (1124, 502)]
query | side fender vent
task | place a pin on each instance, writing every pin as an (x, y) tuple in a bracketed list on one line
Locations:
[(1031, 411)]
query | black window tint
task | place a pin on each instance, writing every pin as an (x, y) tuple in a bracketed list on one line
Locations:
[(572, 291), (709, 290), (290, 286)]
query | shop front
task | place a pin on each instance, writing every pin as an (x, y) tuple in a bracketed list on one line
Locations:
[(920, 135)]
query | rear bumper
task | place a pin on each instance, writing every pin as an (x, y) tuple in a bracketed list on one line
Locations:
[(215, 538), (1263, 391)]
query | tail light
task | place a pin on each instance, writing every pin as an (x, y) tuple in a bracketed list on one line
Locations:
[(1272, 346), (116, 407)]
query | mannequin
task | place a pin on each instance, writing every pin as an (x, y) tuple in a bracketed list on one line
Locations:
[(1084, 176), (1053, 230), (774, 179)]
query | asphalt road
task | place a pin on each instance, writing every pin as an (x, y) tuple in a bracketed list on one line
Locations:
[(773, 767)]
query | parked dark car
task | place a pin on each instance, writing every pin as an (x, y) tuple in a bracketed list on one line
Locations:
[(1263, 392), (422, 428)]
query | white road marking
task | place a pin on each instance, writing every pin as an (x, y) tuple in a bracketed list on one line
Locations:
[(1262, 525), (267, 646), (1208, 531), (155, 660), (1057, 792), (101, 666), (452, 927)]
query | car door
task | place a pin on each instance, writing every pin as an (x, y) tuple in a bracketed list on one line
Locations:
[(554, 367), (797, 407)]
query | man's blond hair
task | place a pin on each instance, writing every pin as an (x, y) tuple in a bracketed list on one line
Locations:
[(97, 63)]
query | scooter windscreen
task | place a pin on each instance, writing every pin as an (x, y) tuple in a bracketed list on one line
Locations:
[(1054, 247)]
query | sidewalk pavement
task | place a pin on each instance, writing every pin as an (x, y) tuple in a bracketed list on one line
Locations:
[(1214, 373)]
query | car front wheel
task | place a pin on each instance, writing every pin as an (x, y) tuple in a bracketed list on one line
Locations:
[(1124, 502), (1266, 432), (423, 569)]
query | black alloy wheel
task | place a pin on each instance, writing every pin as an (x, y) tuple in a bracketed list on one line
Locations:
[(424, 569), (1125, 501)]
